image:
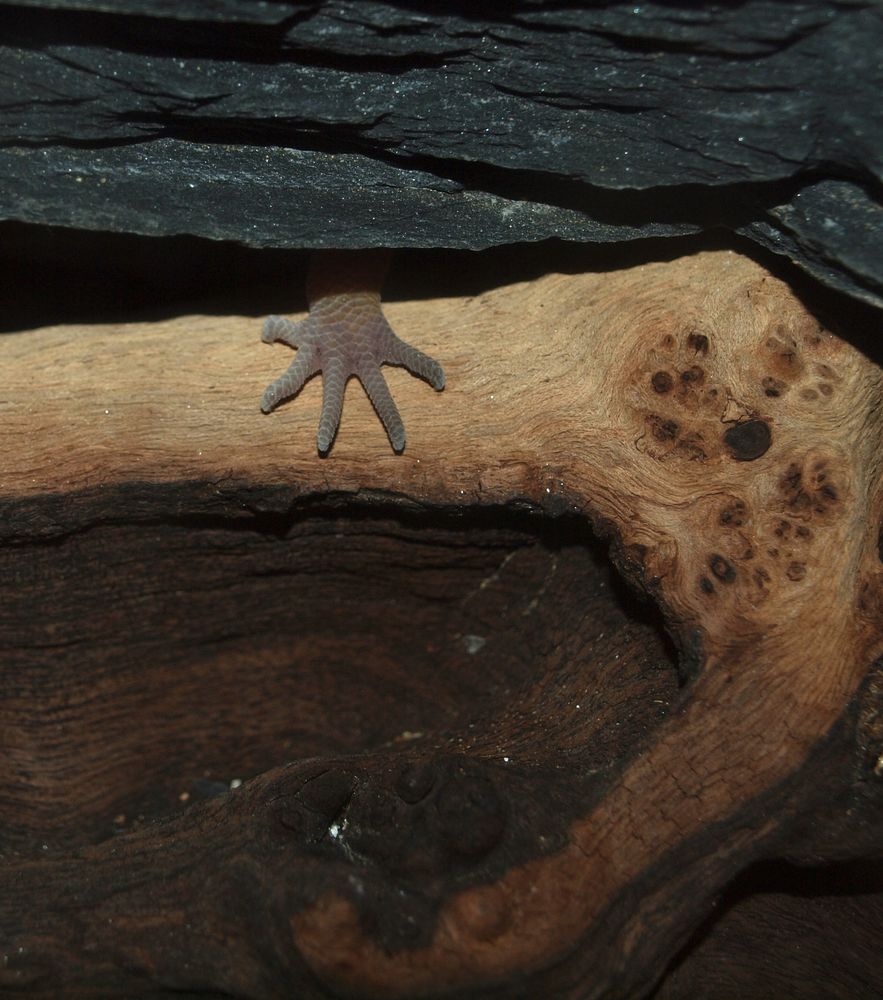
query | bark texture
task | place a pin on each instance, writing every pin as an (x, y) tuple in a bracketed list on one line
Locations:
[(472, 762)]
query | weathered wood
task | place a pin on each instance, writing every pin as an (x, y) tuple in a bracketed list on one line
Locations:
[(484, 795), (788, 931)]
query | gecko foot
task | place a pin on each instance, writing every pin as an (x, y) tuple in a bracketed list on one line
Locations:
[(345, 334)]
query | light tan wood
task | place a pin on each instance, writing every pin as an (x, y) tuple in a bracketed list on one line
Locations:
[(549, 397), (609, 394)]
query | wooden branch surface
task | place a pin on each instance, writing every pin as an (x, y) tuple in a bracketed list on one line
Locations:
[(729, 446)]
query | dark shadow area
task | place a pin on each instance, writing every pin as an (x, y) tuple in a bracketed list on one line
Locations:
[(807, 933), (63, 276), (160, 651)]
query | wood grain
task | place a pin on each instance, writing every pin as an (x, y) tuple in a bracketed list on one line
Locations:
[(523, 798)]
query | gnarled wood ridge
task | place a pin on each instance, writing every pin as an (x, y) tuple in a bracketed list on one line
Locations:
[(472, 765)]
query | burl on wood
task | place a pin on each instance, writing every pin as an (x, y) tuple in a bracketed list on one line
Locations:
[(473, 764)]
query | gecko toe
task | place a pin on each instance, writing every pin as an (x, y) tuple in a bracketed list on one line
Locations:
[(271, 328), (333, 386), (384, 405), (277, 328), (269, 399), (418, 363), (303, 367)]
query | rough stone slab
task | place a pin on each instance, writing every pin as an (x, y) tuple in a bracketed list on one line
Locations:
[(347, 124), (832, 228), (287, 197)]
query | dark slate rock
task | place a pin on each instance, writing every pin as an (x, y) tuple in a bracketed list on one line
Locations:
[(833, 228), (285, 197), (452, 124)]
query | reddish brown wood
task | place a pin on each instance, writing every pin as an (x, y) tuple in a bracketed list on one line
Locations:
[(781, 930)]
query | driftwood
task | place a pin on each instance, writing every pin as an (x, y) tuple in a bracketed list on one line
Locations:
[(472, 762)]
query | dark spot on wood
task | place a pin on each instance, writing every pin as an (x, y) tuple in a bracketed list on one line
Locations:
[(734, 515), (668, 342), (870, 600), (399, 922), (817, 495), (772, 386), (722, 568), (309, 811), (298, 821), (662, 382), (699, 342), (693, 375), (630, 557), (706, 586), (415, 782), (825, 389), (809, 394), (471, 815), (630, 561), (328, 792), (796, 571), (792, 478), (761, 577), (662, 429), (749, 440), (803, 532), (691, 447), (785, 360), (377, 824)]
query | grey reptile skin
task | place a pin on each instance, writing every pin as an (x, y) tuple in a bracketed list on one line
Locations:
[(346, 334)]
